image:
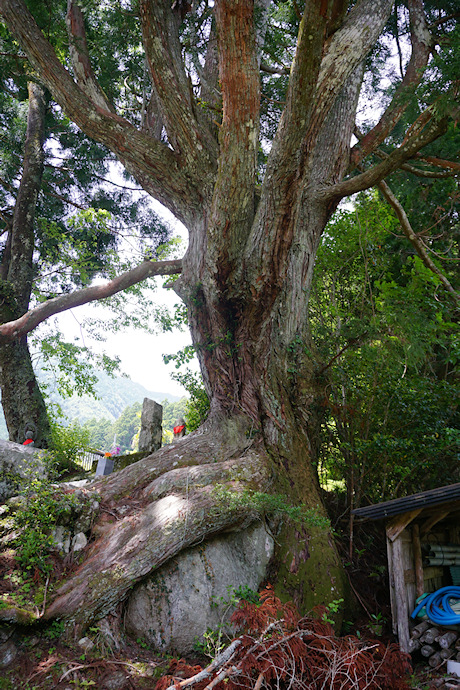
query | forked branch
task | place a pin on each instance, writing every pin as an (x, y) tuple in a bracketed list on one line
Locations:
[(426, 129), (422, 42), (151, 162), (160, 30)]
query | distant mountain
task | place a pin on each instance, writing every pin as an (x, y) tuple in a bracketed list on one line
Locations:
[(114, 395)]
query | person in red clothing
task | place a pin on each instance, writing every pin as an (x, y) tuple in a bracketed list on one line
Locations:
[(179, 429)]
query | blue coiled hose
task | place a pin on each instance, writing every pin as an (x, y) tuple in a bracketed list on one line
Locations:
[(438, 608)]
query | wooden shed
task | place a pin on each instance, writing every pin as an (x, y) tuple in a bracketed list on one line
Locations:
[(413, 524)]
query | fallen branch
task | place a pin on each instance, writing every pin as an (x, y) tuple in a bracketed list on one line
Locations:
[(94, 664), (24, 324), (223, 658)]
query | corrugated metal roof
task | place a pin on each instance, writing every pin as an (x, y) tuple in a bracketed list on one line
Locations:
[(433, 497)]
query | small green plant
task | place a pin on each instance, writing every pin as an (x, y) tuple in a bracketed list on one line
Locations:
[(55, 630), (215, 640), (243, 592), (35, 520), (331, 609), (376, 624), (212, 642)]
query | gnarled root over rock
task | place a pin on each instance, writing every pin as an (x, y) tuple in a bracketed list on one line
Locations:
[(181, 495)]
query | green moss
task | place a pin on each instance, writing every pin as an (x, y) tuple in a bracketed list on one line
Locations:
[(15, 614), (123, 461), (307, 570), (269, 504)]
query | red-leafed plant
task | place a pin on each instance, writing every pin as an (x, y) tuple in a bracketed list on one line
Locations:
[(278, 649)]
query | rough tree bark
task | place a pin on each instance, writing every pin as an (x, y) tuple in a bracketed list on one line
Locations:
[(245, 277), (22, 400)]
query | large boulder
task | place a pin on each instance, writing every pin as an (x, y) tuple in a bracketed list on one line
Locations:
[(18, 465), (174, 608)]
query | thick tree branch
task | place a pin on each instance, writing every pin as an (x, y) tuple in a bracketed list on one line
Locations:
[(443, 20), (26, 323), (346, 49), (449, 167), (423, 132), (421, 48), (273, 70), (439, 162), (414, 240), (151, 162), (239, 135), (302, 84), (79, 55), (160, 30)]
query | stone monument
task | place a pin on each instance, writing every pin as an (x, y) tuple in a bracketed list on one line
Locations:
[(151, 426)]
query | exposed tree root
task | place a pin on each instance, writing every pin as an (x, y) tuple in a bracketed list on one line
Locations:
[(214, 442), (175, 508)]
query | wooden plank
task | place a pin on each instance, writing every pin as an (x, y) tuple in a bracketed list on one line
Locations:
[(418, 563), (392, 586), (402, 609), (432, 521), (397, 524)]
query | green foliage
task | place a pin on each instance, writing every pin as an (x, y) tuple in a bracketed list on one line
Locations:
[(39, 513), (68, 442), (197, 408), (72, 366), (388, 338), (172, 411), (269, 504), (332, 609), (55, 630)]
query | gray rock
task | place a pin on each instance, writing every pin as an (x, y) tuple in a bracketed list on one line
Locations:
[(86, 644), (18, 465), (151, 421), (79, 542), (61, 537), (180, 601), (6, 632), (8, 653), (116, 681), (104, 467)]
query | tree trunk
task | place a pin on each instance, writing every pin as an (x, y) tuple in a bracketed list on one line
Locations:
[(22, 400), (245, 277), (258, 437)]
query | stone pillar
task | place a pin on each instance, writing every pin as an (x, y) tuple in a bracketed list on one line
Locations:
[(151, 429)]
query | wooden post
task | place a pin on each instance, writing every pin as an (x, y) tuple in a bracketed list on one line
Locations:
[(401, 612), (418, 565), (392, 586)]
